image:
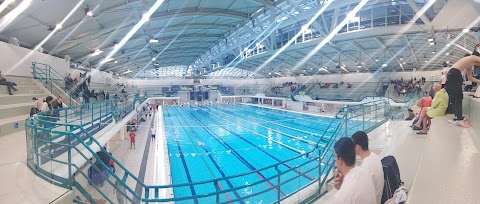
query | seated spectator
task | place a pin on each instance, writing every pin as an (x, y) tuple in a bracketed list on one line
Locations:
[(370, 162), (438, 108), (354, 183), (411, 115), (10, 85), (57, 104)]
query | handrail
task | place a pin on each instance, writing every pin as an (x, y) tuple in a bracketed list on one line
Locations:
[(342, 116)]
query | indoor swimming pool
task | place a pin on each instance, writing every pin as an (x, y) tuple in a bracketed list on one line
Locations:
[(211, 142)]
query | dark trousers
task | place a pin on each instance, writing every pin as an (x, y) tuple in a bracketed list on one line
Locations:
[(455, 92), (9, 86)]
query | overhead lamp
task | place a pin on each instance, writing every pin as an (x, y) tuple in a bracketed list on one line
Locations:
[(432, 43), (115, 62), (269, 73), (430, 39), (465, 30), (426, 61), (401, 58), (404, 63), (376, 60), (153, 59), (447, 53), (96, 52), (58, 26), (434, 52), (89, 13), (384, 65), (359, 65), (153, 41)]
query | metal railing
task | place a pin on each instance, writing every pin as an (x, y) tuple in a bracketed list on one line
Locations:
[(54, 82), (59, 151)]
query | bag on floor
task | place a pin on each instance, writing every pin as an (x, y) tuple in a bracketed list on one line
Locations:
[(391, 175), (400, 196)]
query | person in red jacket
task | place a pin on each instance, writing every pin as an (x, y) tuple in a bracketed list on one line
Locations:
[(132, 140)]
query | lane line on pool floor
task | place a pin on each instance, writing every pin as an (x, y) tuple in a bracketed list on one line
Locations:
[(214, 163), (185, 167), (309, 177), (236, 154)]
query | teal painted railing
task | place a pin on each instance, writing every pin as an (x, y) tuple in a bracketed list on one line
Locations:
[(59, 151), (54, 82)]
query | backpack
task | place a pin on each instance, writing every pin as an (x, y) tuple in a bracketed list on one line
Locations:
[(391, 175)]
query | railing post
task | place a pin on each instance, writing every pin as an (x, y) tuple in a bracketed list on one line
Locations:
[(319, 171), (363, 117), (81, 114), (278, 183), (147, 193), (217, 189), (70, 179), (375, 113)]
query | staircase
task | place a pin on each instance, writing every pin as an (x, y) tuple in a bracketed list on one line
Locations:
[(15, 108)]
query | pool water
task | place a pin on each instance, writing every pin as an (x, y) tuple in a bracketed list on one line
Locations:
[(210, 142)]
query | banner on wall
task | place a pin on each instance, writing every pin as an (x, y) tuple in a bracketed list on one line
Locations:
[(55, 150)]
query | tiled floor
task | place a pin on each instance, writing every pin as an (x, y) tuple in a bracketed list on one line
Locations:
[(18, 183)]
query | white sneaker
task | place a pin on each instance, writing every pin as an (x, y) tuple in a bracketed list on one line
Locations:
[(453, 122)]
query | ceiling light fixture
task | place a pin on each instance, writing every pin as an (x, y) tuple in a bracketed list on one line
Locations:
[(401, 58), (89, 13), (384, 65), (434, 52), (115, 62), (430, 39), (432, 43), (153, 41), (153, 59), (465, 30), (447, 53), (376, 60), (58, 26)]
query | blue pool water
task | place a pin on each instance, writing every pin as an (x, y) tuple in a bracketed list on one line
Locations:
[(206, 143)]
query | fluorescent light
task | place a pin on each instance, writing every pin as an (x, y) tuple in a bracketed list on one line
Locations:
[(115, 61), (432, 43), (404, 63), (447, 53), (434, 52), (89, 14), (145, 17), (153, 41), (384, 65), (426, 60), (376, 60), (430, 39), (401, 58), (153, 59), (96, 52), (106, 60), (58, 26), (466, 30)]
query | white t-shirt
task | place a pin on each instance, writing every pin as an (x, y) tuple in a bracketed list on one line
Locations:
[(444, 74), (152, 131), (373, 164), (357, 188), (44, 107)]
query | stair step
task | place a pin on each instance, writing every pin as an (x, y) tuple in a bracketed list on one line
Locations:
[(22, 90), (7, 125), (14, 110), (6, 99)]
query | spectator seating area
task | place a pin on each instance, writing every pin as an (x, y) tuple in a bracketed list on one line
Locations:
[(15, 109), (348, 91)]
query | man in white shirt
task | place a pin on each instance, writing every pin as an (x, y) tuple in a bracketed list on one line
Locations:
[(354, 183), (370, 162)]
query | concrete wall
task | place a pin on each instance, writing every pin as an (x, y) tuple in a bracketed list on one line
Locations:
[(17, 61)]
